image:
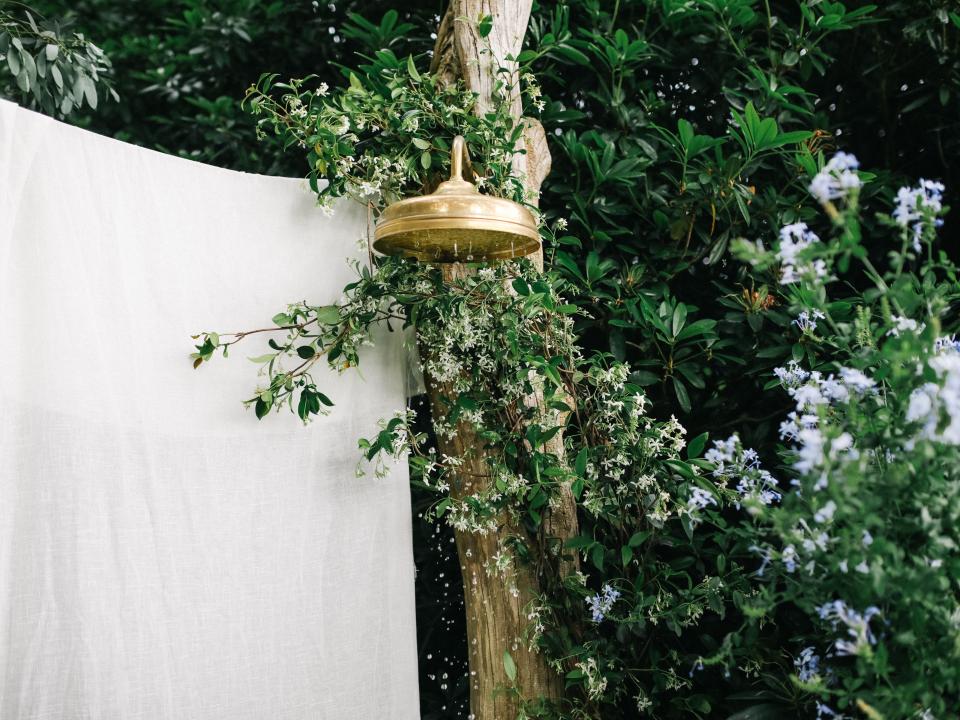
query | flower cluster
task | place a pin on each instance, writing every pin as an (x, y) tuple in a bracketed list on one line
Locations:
[(698, 501), (734, 464), (837, 180), (918, 208), (595, 682), (602, 603), (838, 613), (814, 394), (935, 406), (807, 321), (795, 242), (866, 482), (807, 665)]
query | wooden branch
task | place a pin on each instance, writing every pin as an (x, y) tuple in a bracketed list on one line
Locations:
[(497, 604)]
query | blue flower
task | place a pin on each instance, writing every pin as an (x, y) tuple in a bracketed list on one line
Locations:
[(602, 603), (837, 179), (918, 206), (807, 664)]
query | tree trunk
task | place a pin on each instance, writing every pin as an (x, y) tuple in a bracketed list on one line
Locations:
[(496, 603)]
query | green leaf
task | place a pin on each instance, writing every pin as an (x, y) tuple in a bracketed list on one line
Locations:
[(752, 121), (425, 160), (645, 378), (304, 406), (328, 315), (679, 318), (683, 397), (485, 25), (698, 327), (790, 138), (578, 542), (412, 69), (89, 92), (695, 448), (596, 556), (572, 54), (23, 79), (306, 352), (685, 130), (509, 666), (261, 408), (13, 60), (260, 359), (580, 465)]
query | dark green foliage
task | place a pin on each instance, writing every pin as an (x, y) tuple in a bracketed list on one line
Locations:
[(181, 67), (46, 67), (655, 184)]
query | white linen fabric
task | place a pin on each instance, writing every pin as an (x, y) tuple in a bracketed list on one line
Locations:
[(164, 555)]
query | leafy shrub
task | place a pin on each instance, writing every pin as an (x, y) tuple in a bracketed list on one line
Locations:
[(49, 68)]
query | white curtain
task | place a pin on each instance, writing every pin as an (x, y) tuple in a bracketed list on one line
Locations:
[(162, 553)]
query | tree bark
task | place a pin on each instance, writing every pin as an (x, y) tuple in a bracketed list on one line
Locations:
[(496, 603)]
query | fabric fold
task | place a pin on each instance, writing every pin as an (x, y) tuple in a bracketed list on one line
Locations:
[(163, 554)]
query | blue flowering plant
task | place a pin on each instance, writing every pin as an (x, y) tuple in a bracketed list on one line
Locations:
[(856, 526)]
